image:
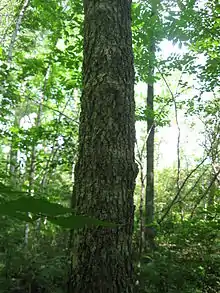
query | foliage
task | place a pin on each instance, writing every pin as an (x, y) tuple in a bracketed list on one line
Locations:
[(187, 259)]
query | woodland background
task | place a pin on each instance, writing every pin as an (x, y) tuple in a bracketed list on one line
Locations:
[(176, 51)]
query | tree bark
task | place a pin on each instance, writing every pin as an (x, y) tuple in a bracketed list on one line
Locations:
[(13, 155), (149, 198), (149, 202), (150, 158), (105, 172)]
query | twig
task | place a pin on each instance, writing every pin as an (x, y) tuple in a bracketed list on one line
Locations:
[(179, 191), (177, 122), (204, 194), (195, 184), (55, 110), (3, 7)]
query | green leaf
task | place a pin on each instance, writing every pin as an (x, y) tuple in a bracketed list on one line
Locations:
[(76, 222), (18, 208), (22, 217), (7, 191), (33, 205)]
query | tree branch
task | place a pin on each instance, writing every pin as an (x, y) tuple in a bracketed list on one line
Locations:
[(204, 194), (17, 27), (179, 191)]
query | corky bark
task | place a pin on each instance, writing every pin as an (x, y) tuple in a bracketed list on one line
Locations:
[(106, 171)]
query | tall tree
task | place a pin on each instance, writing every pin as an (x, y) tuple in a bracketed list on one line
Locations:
[(13, 151), (105, 172), (149, 200)]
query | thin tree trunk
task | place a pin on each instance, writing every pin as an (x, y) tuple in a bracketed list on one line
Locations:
[(211, 195), (149, 197), (13, 150), (13, 156), (149, 209), (17, 28), (141, 222), (31, 178), (32, 172), (141, 210), (105, 172)]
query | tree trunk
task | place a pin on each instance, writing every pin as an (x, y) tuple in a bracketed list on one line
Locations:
[(149, 199), (150, 159), (17, 28), (13, 156), (13, 150), (149, 209), (105, 172)]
